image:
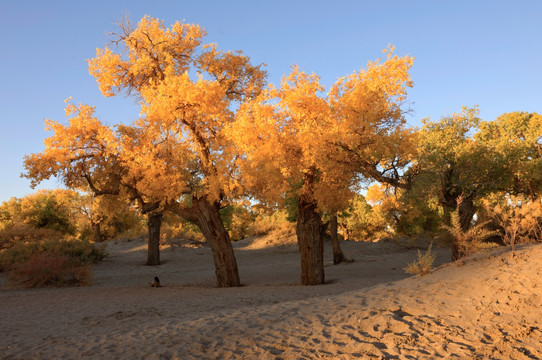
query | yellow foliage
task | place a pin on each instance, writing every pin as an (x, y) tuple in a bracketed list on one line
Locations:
[(519, 220), (294, 137), (363, 222), (209, 129), (74, 151), (187, 91), (378, 194), (152, 52)]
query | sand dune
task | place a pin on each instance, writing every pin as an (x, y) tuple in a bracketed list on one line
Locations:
[(488, 308)]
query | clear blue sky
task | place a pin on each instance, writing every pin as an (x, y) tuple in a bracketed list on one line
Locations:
[(467, 52)]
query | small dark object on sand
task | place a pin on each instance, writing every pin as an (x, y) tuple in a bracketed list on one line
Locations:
[(156, 282)]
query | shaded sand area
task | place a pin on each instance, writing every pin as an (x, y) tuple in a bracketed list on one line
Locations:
[(488, 308)]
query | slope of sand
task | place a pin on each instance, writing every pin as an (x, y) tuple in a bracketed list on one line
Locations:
[(487, 308)]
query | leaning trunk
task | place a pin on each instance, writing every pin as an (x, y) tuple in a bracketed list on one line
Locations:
[(154, 222), (212, 227), (338, 256), (310, 236)]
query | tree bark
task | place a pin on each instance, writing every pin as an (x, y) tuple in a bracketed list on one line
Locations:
[(154, 222), (455, 250), (209, 221), (447, 216), (96, 231), (466, 211), (338, 256), (310, 236)]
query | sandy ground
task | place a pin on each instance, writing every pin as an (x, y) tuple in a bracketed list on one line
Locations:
[(487, 308)]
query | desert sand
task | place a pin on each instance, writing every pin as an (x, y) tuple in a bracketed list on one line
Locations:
[(487, 307)]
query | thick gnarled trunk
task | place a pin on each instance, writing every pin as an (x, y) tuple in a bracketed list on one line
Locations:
[(338, 256), (154, 222), (310, 236), (209, 221)]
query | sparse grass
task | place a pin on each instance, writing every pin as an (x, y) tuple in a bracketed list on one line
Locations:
[(423, 264)]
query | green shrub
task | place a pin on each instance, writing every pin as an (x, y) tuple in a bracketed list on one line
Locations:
[(50, 209)]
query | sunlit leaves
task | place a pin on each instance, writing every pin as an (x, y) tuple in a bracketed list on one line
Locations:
[(83, 147), (296, 131), (149, 52), (517, 138), (188, 92), (459, 164)]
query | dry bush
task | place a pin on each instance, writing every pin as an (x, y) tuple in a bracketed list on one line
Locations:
[(132, 233), (186, 239), (21, 252), (180, 230), (276, 222), (22, 232), (470, 241), (191, 235), (241, 222), (519, 221), (365, 222), (423, 264), (50, 268)]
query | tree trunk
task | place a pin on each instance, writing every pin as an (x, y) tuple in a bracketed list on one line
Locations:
[(338, 256), (210, 224), (455, 250), (310, 236), (96, 231), (346, 231), (154, 222), (466, 211), (446, 216)]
